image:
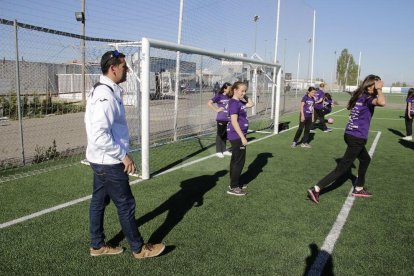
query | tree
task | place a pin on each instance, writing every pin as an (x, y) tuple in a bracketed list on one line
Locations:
[(399, 84), (347, 69)]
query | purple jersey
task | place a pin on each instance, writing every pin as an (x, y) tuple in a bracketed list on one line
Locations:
[(360, 117), (327, 105), (222, 101), (308, 106), (410, 100), (318, 96), (239, 108)]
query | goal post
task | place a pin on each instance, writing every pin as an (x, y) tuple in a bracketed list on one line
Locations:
[(248, 73)]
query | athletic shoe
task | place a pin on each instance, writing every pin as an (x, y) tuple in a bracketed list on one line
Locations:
[(244, 187), (106, 250), (312, 131), (313, 195), (219, 155), (294, 145), (149, 250), (408, 138), (228, 153), (236, 191), (305, 145), (328, 130), (362, 193)]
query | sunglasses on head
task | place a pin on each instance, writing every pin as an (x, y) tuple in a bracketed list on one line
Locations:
[(114, 54)]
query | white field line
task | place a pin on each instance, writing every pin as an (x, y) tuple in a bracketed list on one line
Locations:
[(79, 200), (330, 240), (379, 118)]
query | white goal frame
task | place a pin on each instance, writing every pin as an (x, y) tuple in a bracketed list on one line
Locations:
[(146, 45)]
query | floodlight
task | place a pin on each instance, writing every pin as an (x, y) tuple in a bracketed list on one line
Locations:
[(80, 16)]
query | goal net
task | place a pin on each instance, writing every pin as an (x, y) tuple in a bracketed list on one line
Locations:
[(167, 92)]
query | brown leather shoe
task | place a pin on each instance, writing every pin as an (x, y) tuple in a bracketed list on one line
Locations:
[(149, 250), (106, 250)]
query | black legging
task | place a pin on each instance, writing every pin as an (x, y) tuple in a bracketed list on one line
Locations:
[(409, 125), (303, 125), (320, 114), (238, 158), (356, 149), (221, 137)]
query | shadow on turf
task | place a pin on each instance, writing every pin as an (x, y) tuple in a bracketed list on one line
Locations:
[(396, 132), (255, 168), (407, 144), (340, 181), (180, 161), (319, 262), (190, 195)]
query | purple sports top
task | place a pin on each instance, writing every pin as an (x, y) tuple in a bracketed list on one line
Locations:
[(410, 100), (239, 108), (319, 95), (222, 101), (360, 117), (308, 106), (327, 104)]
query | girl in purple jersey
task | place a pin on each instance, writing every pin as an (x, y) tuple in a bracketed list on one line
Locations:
[(221, 100), (362, 105), (306, 118), (236, 134), (409, 114), (327, 104)]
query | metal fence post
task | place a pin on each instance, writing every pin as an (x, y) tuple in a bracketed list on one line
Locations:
[(18, 92)]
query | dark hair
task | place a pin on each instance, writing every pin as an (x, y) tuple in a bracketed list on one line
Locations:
[(110, 58), (321, 85), (328, 96), (235, 85), (311, 88), (362, 88), (410, 93), (224, 86)]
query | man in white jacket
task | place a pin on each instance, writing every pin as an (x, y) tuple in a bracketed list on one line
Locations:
[(107, 153)]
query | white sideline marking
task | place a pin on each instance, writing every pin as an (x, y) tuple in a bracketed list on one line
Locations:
[(330, 240), (45, 211), (379, 118), (79, 200)]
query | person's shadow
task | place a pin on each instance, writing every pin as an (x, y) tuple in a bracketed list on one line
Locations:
[(342, 179), (407, 144), (255, 168), (318, 263), (396, 132), (190, 195)]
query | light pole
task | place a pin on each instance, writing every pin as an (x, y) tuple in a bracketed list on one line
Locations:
[(80, 16), (284, 55), (310, 57), (255, 19)]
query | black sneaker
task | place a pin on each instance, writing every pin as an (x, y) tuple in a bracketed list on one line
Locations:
[(313, 195), (361, 193), (236, 191)]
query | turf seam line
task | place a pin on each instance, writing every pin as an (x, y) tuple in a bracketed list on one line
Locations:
[(330, 240)]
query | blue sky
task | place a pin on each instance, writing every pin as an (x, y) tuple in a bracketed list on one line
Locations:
[(383, 31)]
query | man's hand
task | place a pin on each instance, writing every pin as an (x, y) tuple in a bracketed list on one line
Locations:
[(129, 164)]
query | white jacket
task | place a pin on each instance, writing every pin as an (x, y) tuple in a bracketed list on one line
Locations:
[(106, 125)]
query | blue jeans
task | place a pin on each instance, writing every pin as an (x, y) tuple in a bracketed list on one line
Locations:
[(110, 182)]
